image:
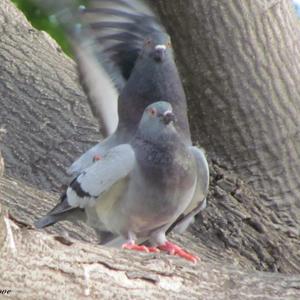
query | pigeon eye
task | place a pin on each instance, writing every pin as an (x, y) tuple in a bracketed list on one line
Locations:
[(152, 112), (169, 45)]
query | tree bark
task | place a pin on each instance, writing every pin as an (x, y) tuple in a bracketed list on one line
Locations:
[(45, 120), (122, 275), (37, 265), (46, 124), (240, 63)]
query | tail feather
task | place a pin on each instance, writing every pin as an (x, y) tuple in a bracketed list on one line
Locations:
[(45, 221), (73, 215)]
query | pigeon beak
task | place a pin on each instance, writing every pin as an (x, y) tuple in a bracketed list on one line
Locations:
[(168, 117), (159, 52)]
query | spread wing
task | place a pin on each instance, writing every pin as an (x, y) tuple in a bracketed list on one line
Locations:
[(106, 35)]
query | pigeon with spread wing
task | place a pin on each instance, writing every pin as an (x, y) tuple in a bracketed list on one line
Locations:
[(139, 189), (121, 44)]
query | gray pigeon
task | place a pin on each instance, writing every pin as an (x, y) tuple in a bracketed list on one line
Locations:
[(126, 39), (138, 190)]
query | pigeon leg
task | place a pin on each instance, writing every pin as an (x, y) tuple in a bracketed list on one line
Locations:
[(131, 245), (176, 250), (152, 249)]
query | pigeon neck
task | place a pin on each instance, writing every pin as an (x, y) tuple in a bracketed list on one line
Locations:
[(163, 139), (149, 82)]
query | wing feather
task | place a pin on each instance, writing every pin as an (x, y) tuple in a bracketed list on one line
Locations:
[(88, 187), (107, 37), (198, 202)]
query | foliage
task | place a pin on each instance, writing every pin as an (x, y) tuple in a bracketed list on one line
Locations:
[(42, 21)]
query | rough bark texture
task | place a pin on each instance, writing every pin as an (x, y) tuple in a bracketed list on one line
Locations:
[(55, 270), (46, 123), (241, 65), (43, 112)]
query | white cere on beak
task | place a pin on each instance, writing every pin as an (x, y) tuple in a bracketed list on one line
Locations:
[(167, 112), (160, 47)]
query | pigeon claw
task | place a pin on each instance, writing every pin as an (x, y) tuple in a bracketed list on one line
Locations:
[(142, 248), (153, 249), (176, 250)]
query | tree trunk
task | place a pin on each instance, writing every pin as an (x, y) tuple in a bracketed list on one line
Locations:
[(46, 124), (240, 61), (44, 117)]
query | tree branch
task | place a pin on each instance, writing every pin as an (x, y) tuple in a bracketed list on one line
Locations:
[(48, 124), (50, 266)]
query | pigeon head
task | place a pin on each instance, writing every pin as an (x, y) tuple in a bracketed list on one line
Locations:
[(158, 118), (156, 46)]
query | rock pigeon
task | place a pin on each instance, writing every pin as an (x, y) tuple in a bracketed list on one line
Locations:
[(138, 190), (126, 39)]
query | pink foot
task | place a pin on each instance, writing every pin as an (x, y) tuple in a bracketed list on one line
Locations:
[(131, 246), (176, 250), (97, 157)]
